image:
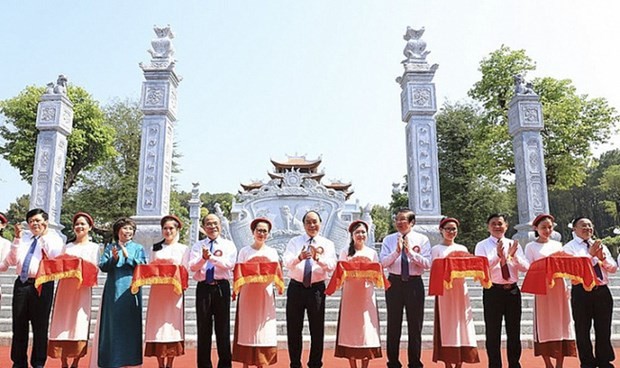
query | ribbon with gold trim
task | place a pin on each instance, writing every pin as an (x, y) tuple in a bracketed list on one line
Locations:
[(257, 272), (543, 272), (455, 266), (369, 271), (64, 267), (160, 274)]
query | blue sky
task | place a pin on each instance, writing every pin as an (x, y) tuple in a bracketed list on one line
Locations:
[(267, 78)]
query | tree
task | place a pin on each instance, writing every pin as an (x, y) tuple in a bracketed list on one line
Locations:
[(224, 199), (109, 191), (464, 194), (610, 186), (382, 219), (573, 123), (588, 200), (89, 144), (16, 214)]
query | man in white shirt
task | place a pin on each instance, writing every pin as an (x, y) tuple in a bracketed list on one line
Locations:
[(503, 299), (309, 259), (595, 305), (405, 255), (212, 261), (28, 306)]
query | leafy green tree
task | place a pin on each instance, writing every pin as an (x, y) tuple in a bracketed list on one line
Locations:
[(224, 199), (109, 191), (89, 144), (16, 214), (610, 186), (573, 122), (464, 194), (382, 219)]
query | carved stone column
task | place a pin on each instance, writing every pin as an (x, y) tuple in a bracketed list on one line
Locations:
[(525, 122), (159, 105), (418, 105), (55, 123), (194, 214)]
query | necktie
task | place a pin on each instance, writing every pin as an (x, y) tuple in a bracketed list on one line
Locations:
[(210, 268), (597, 266), (404, 261), (308, 268), (23, 276), (505, 271)]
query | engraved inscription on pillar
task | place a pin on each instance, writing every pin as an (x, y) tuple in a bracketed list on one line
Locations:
[(149, 186), (533, 159), (536, 197), (424, 165)]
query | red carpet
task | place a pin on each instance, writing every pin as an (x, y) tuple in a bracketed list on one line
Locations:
[(189, 360)]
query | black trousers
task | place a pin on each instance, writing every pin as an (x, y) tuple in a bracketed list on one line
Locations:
[(596, 306), (410, 296), (312, 300), (213, 307), (29, 307), (500, 303)]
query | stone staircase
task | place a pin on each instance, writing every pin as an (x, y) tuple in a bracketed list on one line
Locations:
[(7, 279)]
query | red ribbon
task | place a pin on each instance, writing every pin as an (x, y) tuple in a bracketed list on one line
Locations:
[(543, 272), (253, 272), (369, 271), (458, 265), (64, 267), (160, 274)]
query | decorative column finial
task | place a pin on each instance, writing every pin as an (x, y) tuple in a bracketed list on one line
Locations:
[(162, 50), (415, 53)]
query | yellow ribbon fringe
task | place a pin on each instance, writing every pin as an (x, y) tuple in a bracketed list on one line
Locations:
[(157, 280), (58, 276)]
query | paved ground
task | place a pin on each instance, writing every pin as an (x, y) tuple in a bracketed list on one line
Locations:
[(188, 360)]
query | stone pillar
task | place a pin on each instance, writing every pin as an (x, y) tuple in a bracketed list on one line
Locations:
[(55, 123), (159, 105), (418, 105), (525, 122), (194, 214)]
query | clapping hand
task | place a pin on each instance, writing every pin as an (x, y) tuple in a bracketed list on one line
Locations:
[(500, 250), (206, 254), (596, 250), (115, 253), (305, 253), (512, 250), (18, 230)]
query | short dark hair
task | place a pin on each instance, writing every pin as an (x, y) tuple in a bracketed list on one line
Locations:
[(303, 219), (494, 215), (575, 221), (37, 211), (408, 211), (120, 223)]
